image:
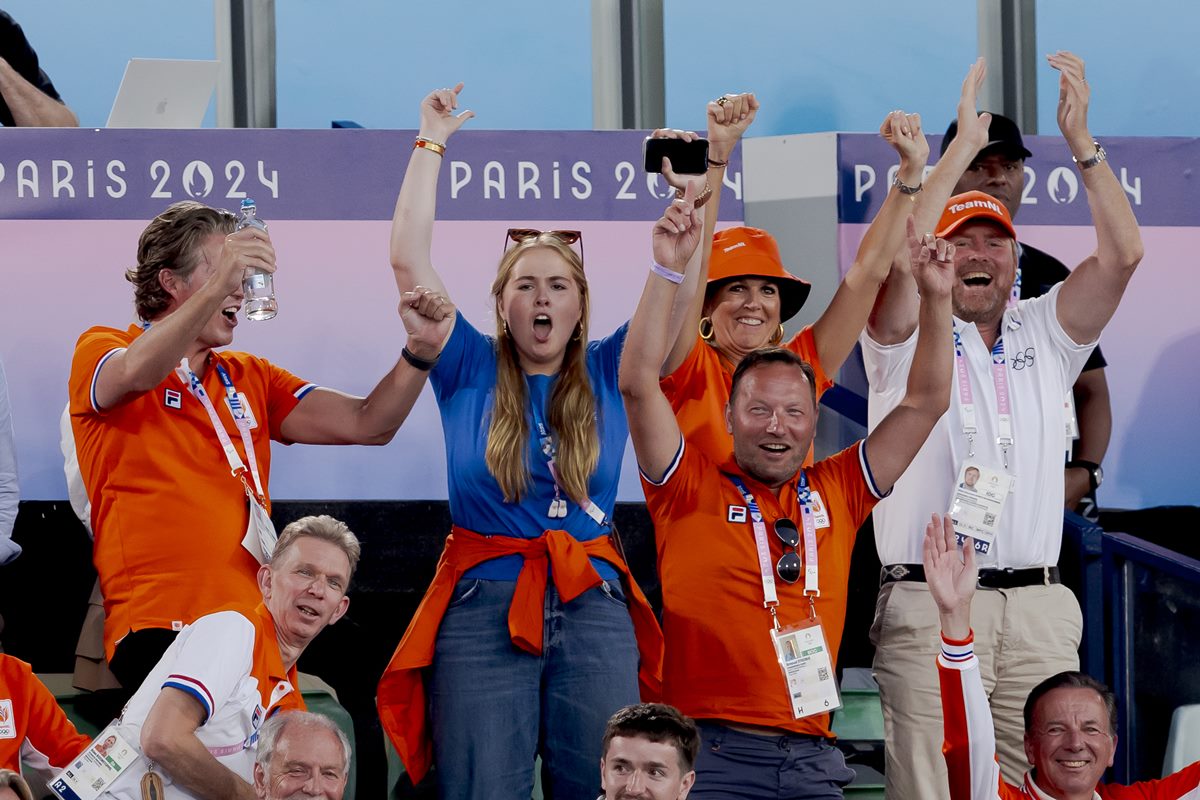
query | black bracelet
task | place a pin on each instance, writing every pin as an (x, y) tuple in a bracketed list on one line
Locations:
[(712, 162), (419, 363)]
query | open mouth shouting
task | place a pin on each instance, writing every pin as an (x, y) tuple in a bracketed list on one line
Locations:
[(230, 314), (542, 326), (974, 279)]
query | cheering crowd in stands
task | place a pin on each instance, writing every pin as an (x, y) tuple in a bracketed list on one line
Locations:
[(533, 638)]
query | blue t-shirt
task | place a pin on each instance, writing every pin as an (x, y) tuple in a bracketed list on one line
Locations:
[(464, 382)]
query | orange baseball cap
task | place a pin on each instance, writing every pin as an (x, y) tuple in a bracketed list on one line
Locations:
[(752, 253), (973, 206)]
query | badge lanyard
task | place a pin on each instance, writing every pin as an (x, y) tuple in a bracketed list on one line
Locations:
[(1004, 428), (765, 567), (236, 467), (558, 506)]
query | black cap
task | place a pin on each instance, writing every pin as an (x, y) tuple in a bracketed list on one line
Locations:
[(1003, 136)]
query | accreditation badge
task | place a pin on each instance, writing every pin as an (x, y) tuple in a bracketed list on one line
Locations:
[(807, 668), (980, 496), (93, 771)]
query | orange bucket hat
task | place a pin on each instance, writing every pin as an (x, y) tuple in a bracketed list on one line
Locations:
[(752, 253)]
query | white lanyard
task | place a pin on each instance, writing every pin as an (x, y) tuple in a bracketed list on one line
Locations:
[(236, 467), (765, 567), (1004, 428), (558, 506)]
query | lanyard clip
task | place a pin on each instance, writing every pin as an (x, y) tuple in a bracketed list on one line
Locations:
[(774, 617), (812, 606)]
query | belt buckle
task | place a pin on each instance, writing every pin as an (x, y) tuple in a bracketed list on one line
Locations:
[(896, 571)]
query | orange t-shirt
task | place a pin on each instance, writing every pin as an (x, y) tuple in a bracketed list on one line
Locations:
[(167, 514), (31, 723), (720, 662), (698, 391)]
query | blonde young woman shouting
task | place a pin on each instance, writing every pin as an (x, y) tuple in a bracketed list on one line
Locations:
[(535, 433)]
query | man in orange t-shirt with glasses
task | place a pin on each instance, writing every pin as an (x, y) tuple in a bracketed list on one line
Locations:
[(754, 552)]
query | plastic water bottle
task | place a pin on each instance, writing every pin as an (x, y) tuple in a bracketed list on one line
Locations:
[(258, 286)]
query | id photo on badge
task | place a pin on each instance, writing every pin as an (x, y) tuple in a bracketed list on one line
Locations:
[(979, 498)]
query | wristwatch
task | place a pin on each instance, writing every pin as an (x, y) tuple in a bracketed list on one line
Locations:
[(1095, 471), (1088, 163)]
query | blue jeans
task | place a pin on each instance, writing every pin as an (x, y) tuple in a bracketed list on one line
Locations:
[(493, 707), (735, 764)]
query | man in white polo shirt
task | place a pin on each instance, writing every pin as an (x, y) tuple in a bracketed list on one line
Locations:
[(196, 718), (1013, 367)]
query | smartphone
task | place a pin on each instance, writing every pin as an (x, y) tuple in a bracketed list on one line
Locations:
[(687, 158)]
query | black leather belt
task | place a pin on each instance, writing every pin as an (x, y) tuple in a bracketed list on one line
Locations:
[(988, 578)]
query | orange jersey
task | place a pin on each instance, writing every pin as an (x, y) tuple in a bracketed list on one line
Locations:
[(698, 391), (720, 662), (167, 514), (32, 726)]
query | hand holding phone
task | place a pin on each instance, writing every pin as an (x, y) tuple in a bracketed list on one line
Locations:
[(686, 157)]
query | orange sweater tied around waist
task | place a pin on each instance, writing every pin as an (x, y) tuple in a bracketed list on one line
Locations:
[(401, 697)]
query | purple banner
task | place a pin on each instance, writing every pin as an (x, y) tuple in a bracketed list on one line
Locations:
[(1156, 174), (341, 174)]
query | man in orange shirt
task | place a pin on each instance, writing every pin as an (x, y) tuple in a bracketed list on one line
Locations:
[(173, 438), (728, 622)]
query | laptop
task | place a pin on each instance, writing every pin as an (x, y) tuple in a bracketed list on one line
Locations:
[(163, 93)]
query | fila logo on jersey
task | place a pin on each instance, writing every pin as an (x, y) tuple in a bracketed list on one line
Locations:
[(736, 514), (173, 399)]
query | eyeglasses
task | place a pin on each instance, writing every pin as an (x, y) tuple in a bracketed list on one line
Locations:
[(788, 565), (572, 239)]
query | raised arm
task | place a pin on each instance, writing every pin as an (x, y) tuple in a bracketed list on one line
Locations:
[(898, 437), (970, 743), (652, 423), (412, 222), (728, 118), (1091, 293), (151, 357), (838, 328), (169, 740), (895, 315)]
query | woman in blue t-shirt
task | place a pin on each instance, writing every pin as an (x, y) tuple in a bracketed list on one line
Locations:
[(535, 433)]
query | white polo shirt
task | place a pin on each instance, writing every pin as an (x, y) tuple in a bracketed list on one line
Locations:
[(229, 662), (1042, 365)]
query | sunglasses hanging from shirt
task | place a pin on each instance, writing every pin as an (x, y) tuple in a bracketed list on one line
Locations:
[(801, 648)]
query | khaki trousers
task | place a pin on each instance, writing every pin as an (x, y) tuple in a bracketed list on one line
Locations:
[(1022, 636)]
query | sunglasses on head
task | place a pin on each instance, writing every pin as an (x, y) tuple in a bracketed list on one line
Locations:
[(788, 565), (572, 239)]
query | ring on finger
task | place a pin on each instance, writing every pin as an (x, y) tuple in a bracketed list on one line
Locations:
[(723, 99)]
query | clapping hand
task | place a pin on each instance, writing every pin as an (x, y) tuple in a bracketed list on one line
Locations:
[(973, 126), (1073, 98)]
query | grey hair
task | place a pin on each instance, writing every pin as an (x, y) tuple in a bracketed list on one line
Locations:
[(325, 528), (14, 781), (272, 730)]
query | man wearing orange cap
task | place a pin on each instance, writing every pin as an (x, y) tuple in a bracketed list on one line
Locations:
[(999, 170), (1013, 367)]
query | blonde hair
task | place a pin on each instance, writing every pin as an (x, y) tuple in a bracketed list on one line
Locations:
[(572, 404)]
